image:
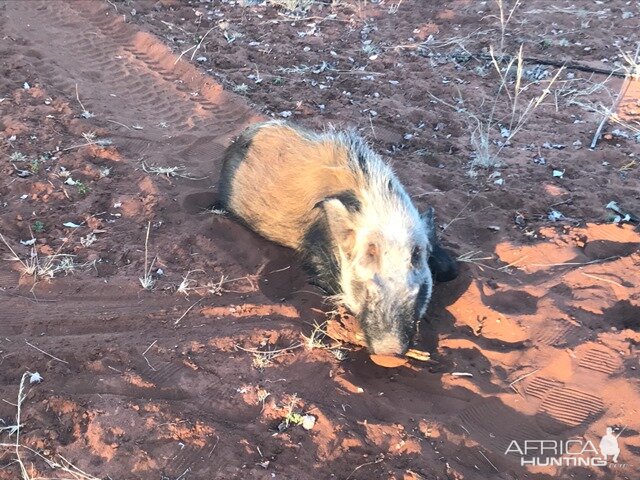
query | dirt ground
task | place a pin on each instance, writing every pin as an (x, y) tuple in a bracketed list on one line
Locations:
[(114, 116)]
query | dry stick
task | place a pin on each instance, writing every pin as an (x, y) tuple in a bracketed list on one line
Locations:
[(214, 447), (602, 279), (457, 41), (146, 250), (145, 352), (557, 63), (200, 42), (12, 250), (118, 123), (305, 19), (187, 311), (78, 146), (267, 352), (186, 51), (485, 457), (75, 471), (462, 209), (16, 445), (621, 95), (511, 385), (514, 263), (25, 474), (359, 72), (623, 92), (47, 354), (378, 460), (599, 260), (78, 98), (184, 473), (171, 25)]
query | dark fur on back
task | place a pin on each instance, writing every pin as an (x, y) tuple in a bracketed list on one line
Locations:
[(233, 157)]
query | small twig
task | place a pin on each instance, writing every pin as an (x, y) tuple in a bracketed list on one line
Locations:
[(268, 352), (514, 263), (377, 460), (623, 92), (359, 72), (146, 243), (373, 130), (171, 25), (149, 347), (25, 475), (423, 194), (78, 146), (147, 281), (573, 264), (620, 432), (187, 311), (200, 42), (47, 354), (462, 210), (186, 51), (15, 255), (214, 447), (485, 457), (511, 385), (305, 19), (145, 352), (118, 123), (556, 63), (598, 133), (78, 98), (184, 473), (602, 279)]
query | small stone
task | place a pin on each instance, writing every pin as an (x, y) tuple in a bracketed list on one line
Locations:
[(308, 422)]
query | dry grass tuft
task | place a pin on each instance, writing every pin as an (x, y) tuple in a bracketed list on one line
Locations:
[(59, 463), (49, 266), (292, 5), (489, 134), (169, 172)]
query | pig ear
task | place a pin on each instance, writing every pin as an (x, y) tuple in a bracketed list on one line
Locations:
[(340, 225)]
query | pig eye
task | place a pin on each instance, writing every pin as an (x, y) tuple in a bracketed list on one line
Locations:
[(371, 254), (416, 256)]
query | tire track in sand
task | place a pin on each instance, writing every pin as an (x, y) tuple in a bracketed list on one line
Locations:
[(127, 76)]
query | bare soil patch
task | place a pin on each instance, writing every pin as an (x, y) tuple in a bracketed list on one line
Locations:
[(113, 119)]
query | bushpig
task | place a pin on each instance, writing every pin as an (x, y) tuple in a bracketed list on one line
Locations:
[(335, 202)]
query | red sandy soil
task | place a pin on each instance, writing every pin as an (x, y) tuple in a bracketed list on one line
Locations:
[(150, 384)]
